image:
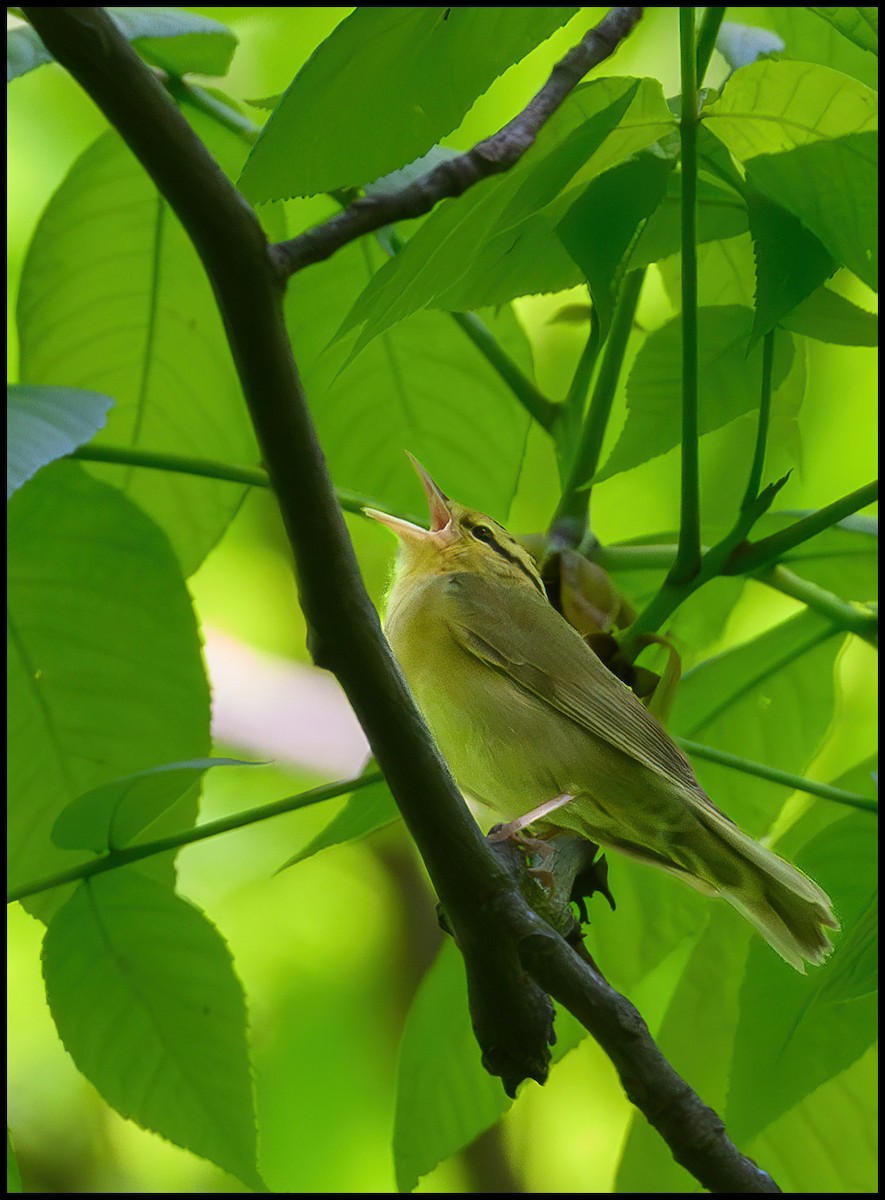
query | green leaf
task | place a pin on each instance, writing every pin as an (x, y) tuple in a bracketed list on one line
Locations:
[(114, 298), (741, 45), (790, 262), (770, 700), (498, 241), (111, 816), (844, 558), (859, 25), (422, 387), (143, 992), (45, 423), (445, 1098), (619, 202), (410, 73), (729, 381), (721, 215), (795, 1033), (13, 1177), (105, 671), (771, 107), (829, 317), (369, 809), (810, 39), (832, 187), (170, 38)]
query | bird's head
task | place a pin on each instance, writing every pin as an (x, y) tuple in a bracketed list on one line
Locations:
[(459, 539)]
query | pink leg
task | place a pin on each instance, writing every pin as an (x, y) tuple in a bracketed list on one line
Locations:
[(512, 828)]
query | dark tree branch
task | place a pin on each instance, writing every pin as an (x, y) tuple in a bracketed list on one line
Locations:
[(513, 958), (497, 153)]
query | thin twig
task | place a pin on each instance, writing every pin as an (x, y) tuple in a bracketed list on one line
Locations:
[(490, 157)]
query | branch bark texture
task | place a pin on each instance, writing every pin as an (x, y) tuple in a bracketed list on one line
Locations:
[(514, 960)]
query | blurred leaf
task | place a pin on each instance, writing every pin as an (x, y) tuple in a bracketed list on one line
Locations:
[(13, 1178), (445, 1098), (410, 172), (729, 381), (741, 45), (114, 298), (828, 1142), (795, 1033), (829, 317), (143, 992), (46, 423), (619, 202), (721, 215), (843, 558), (498, 241), (791, 263), (369, 809), (810, 39), (771, 107), (170, 38), (859, 25), (410, 73), (111, 816), (843, 217), (105, 671), (770, 700), (422, 387)]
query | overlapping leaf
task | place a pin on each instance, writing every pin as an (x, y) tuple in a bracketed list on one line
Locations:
[(411, 73), (859, 25), (45, 423), (367, 810)]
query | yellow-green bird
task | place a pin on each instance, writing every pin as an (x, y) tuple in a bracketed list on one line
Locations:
[(535, 727)]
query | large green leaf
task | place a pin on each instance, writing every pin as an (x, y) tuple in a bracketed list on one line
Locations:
[(369, 809), (796, 1033), (105, 671), (843, 558), (770, 700), (770, 107), (812, 40), (499, 240), (421, 387), (143, 992), (114, 298), (170, 38), (859, 25), (832, 188), (829, 317), (111, 816), (445, 1098), (721, 215), (45, 423), (729, 383), (409, 73)]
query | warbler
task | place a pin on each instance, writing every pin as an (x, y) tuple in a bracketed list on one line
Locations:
[(534, 726)]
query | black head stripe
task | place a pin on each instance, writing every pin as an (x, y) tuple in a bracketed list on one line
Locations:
[(489, 536)]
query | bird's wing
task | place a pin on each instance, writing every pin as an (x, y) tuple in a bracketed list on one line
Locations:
[(521, 635)]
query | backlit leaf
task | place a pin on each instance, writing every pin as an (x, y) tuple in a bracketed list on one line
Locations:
[(369, 809), (859, 25), (45, 423)]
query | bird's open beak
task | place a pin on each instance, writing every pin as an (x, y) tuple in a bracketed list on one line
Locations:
[(438, 502)]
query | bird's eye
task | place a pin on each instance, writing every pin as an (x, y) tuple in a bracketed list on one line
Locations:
[(482, 533)]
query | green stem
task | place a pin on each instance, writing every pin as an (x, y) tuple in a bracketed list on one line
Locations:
[(571, 519), (708, 31), (763, 771), (534, 401), (122, 858), (759, 554), (688, 557), (571, 414), (864, 624), (224, 114), (756, 467), (207, 468)]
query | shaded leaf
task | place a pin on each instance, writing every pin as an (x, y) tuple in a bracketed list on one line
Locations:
[(721, 214), (111, 816), (171, 38), (829, 317), (619, 202), (143, 992), (395, 67), (741, 45), (770, 700), (45, 423), (13, 1177), (498, 241), (105, 671), (729, 381), (369, 809), (114, 298), (859, 25), (421, 387)]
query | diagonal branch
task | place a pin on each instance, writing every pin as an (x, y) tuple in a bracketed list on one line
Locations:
[(513, 959), (490, 157)]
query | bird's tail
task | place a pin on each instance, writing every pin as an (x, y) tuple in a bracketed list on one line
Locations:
[(789, 909)]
